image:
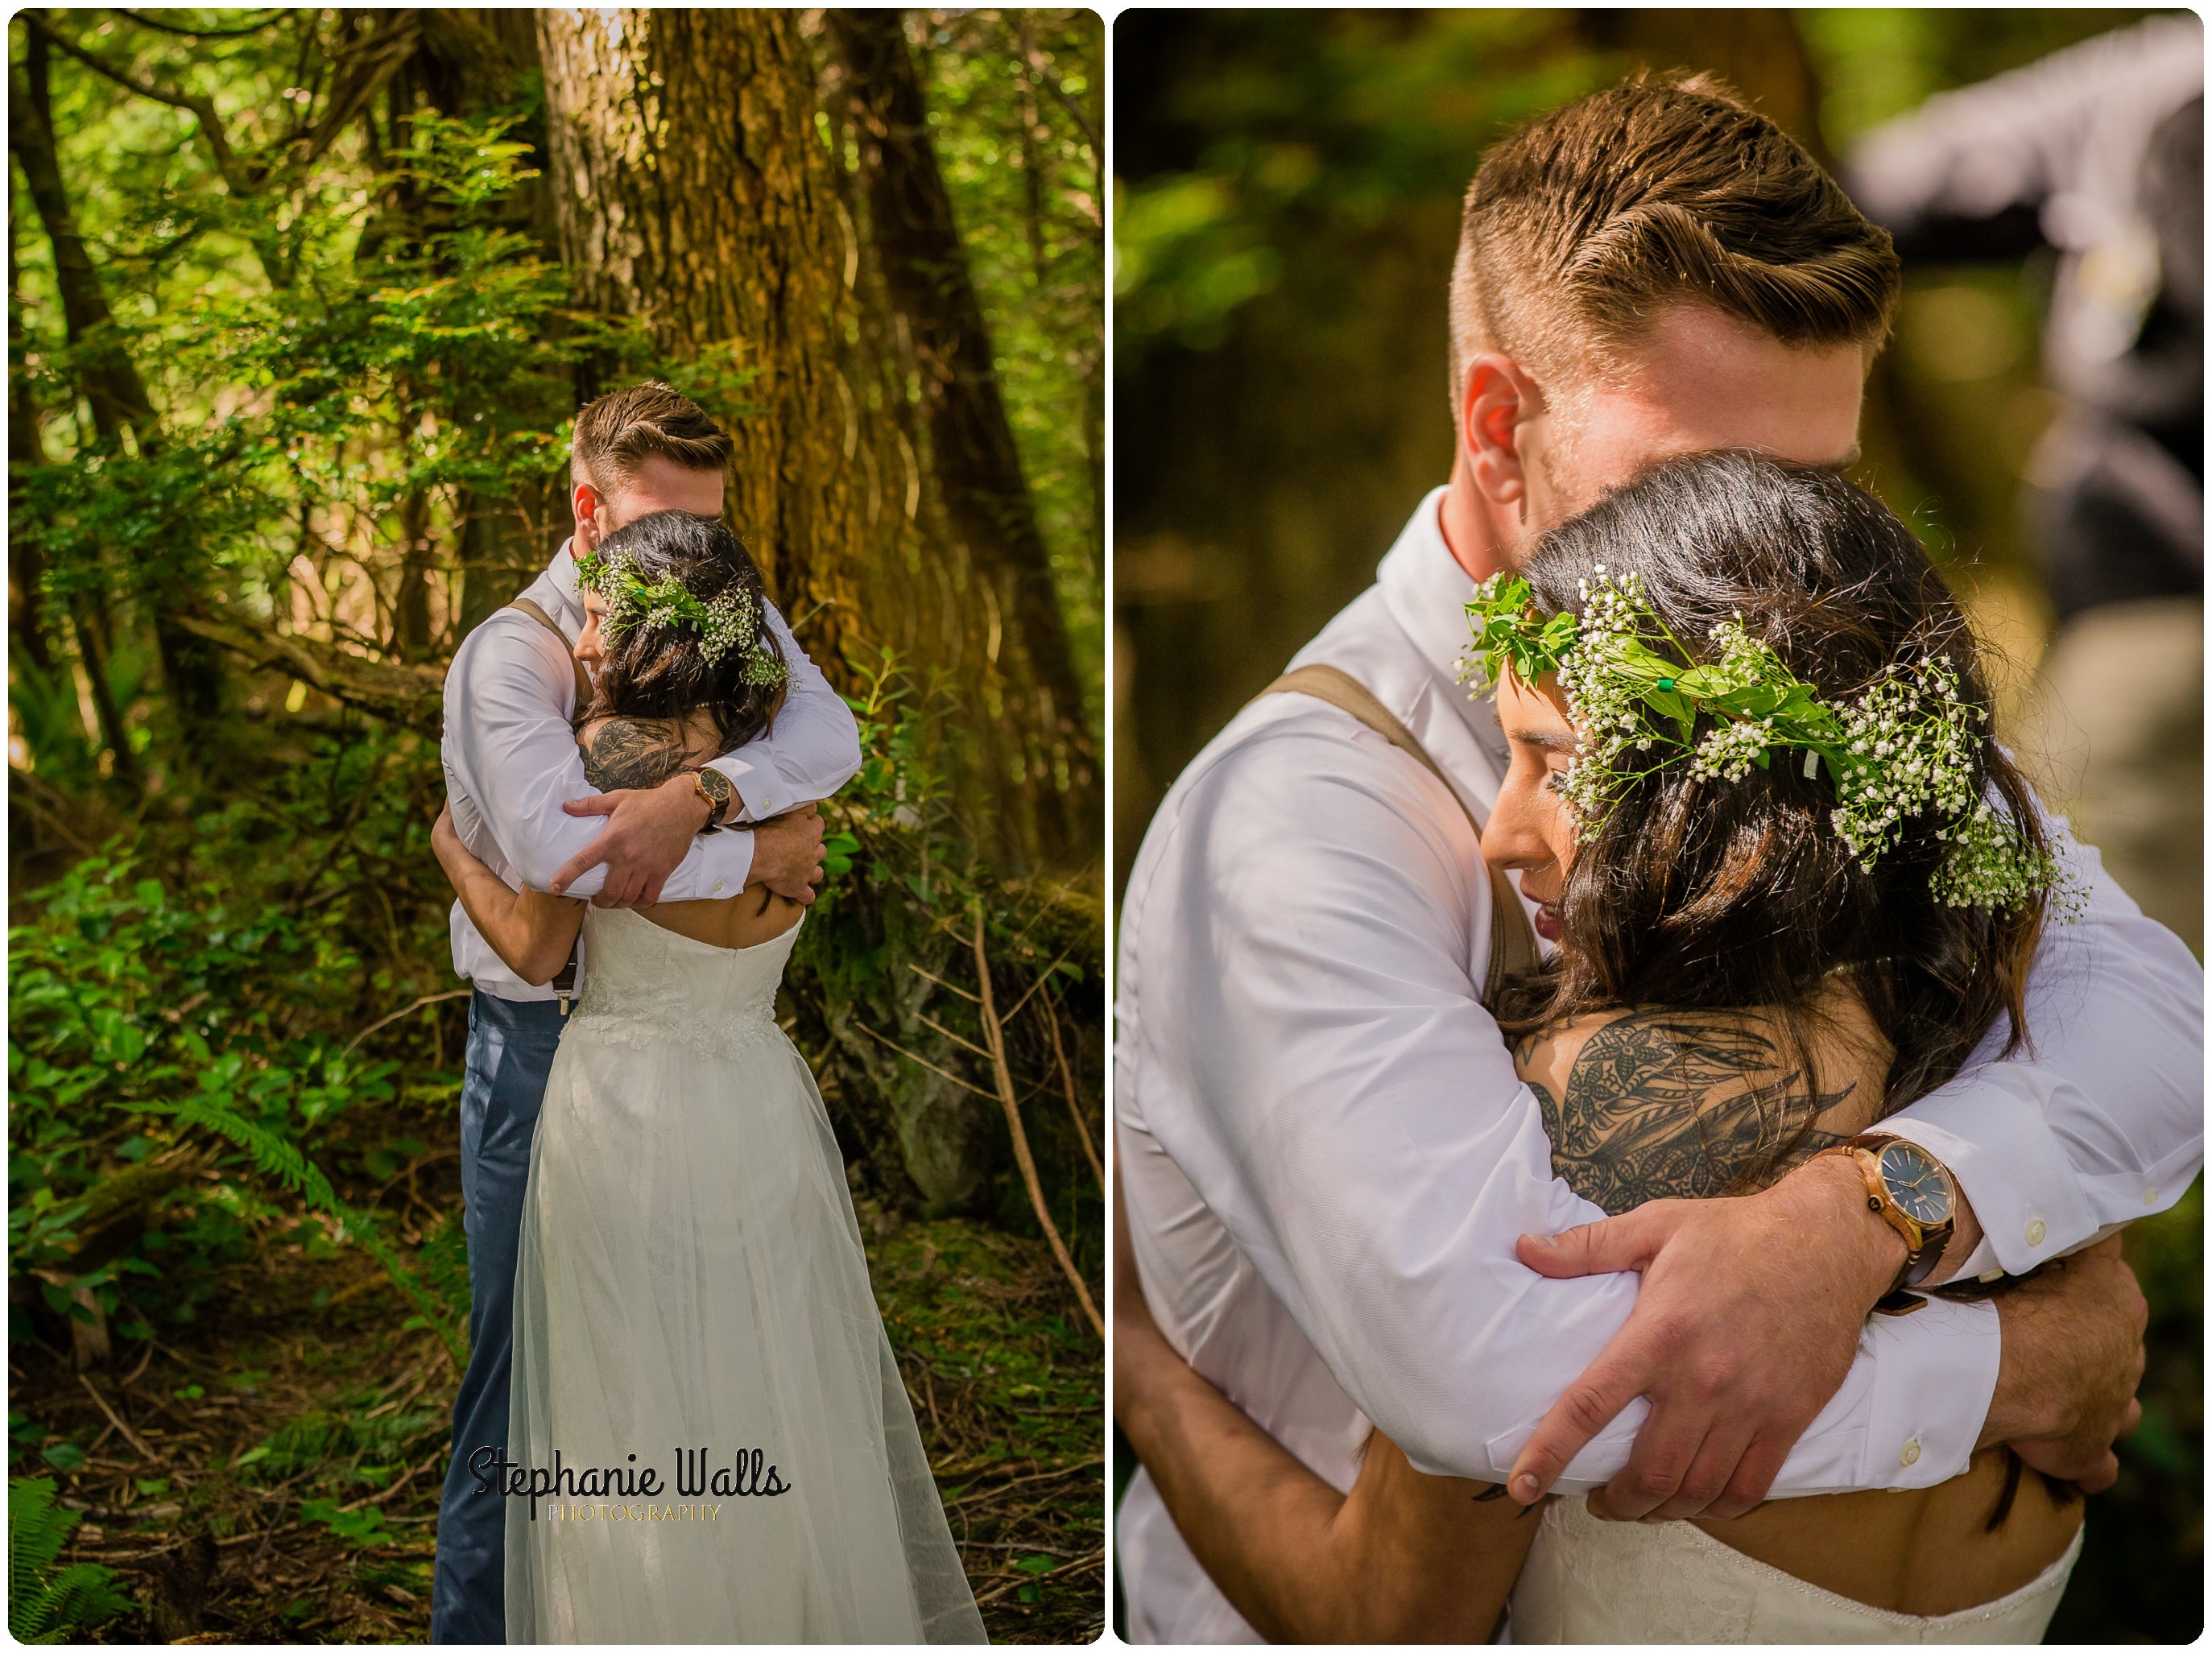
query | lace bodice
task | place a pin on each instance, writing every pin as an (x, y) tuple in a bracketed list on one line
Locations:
[(645, 985)]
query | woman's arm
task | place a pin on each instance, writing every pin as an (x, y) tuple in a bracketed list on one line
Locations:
[(532, 932), (1405, 1558)]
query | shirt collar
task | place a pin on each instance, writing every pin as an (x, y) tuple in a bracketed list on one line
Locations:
[(558, 592), (1426, 591)]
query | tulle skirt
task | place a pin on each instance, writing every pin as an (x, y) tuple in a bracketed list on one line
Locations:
[(704, 1400)]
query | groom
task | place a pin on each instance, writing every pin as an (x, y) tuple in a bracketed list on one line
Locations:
[(515, 784), (1333, 1180)]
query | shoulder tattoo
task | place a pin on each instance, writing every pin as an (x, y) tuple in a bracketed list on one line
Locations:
[(1673, 1104), (627, 752)]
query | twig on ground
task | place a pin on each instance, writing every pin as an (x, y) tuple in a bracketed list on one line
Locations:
[(128, 1434), (1067, 1084), (925, 1062), (997, 1036), (427, 998), (939, 981)]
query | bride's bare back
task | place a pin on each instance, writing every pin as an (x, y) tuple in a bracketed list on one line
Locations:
[(1654, 1104), (624, 752)]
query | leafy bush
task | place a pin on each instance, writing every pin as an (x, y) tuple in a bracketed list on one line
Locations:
[(177, 1066)]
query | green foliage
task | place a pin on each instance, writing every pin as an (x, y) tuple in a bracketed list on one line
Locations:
[(888, 951), (428, 382), (1015, 105), (182, 1024), (1305, 136), (46, 1604)]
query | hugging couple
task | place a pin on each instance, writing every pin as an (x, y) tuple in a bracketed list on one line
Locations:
[(681, 1419), (1711, 1234)]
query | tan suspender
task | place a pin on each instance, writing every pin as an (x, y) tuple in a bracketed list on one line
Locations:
[(564, 983), (1512, 937), (583, 678)]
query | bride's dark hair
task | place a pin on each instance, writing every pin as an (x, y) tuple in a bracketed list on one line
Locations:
[(1720, 894), (660, 674)]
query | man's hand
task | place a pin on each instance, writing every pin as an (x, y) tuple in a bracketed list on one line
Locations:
[(648, 833), (2073, 1356), (1746, 1323), (787, 855)]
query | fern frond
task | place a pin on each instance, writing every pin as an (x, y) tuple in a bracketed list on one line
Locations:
[(275, 1157), (46, 1607)]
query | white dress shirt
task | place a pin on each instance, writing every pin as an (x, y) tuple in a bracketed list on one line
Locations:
[(511, 761), (1326, 1155)]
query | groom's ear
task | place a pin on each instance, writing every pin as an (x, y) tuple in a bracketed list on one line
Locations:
[(583, 501), (1497, 399)]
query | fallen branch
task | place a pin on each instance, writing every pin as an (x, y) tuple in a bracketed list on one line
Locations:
[(413, 696), (938, 981), (1020, 1579), (997, 1037)]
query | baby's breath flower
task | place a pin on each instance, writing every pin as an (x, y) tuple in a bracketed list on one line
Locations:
[(732, 620), (1903, 750)]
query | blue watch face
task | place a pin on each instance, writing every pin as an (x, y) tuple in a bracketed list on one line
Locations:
[(1916, 1183)]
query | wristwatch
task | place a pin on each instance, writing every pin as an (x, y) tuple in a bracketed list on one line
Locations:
[(714, 787), (1911, 1191)]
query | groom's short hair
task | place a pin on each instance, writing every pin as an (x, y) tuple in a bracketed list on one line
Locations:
[(1585, 222), (619, 431)]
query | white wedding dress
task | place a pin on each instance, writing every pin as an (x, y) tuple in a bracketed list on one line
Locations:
[(1653, 1584), (692, 1281)]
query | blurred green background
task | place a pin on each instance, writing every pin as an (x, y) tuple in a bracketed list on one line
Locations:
[(1287, 190)]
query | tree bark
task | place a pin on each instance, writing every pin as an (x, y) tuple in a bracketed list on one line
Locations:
[(695, 193), (972, 448), (26, 563)]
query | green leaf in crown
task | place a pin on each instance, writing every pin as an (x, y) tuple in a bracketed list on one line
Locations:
[(727, 622), (1904, 747)]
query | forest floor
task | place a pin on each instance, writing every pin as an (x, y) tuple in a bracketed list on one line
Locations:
[(272, 1474)]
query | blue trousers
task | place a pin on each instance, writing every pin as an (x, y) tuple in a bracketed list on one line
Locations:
[(511, 1047)]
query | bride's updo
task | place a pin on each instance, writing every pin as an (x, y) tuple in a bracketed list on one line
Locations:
[(686, 633), (1703, 891)]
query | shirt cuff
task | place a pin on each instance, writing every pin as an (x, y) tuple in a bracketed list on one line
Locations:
[(1935, 1370), (716, 869), (2008, 1163), (760, 790)]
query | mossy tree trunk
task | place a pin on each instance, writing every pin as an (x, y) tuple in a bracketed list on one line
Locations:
[(971, 444), (694, 191)]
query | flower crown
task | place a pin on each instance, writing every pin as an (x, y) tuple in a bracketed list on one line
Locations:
[(1904, 747), (731, 621)]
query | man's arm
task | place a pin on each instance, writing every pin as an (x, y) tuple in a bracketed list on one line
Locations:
[(510, 747), (1306, 937), (1403, 1557), (813, 749), (2100, 1120)]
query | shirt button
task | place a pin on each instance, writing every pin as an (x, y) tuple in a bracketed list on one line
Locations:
[(1910, 1455), (2035, 1231), (2150, 1196), (718, 886)]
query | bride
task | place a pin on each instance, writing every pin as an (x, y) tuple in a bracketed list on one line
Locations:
[(709, 1439), (1794, 885)]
